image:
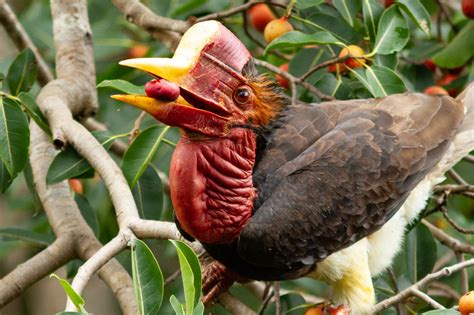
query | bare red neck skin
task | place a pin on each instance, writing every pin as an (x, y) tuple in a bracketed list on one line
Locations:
[(211, 185)]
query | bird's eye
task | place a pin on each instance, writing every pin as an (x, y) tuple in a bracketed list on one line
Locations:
[(242, 95)]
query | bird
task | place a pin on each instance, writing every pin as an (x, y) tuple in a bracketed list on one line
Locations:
[(277, 191)]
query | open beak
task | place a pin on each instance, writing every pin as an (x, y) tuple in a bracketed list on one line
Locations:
[(207, 68)]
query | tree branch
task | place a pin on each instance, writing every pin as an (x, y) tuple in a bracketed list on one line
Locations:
[(445, 272), (449, 241), (37, 267)]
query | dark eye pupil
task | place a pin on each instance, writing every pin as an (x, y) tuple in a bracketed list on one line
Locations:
[(242, 95)]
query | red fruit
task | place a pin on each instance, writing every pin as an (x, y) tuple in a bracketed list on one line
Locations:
[(340, 310), (162, 90), (138, 51), (281, 80), (276, 28), (447, 79), (430, 65), (76, 186), (260, 15), (388, 3), (315, 310), (337, 66), (355, 51), (468, 8), (435, 90), (466, 303)]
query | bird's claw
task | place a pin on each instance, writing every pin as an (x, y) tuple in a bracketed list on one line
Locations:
[(217, 279)]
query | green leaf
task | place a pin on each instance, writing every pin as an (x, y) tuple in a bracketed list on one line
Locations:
[(329, 20), (190, 274), (393, 32), (22, 72), (371, 11), (199, 309), (14, 136), (305, 4), (418, 14), (178, 308), (348, 9), (298, 39), (148, 195), (29, 236), (421, 253), (32, 109), (69, 164), (141, 152), (122, 86), (71, 293), (458, 51), (5, 178), (88, 213), (383, 81), (148, 280)]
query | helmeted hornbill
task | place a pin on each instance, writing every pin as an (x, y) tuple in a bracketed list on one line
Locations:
[(277, 192)]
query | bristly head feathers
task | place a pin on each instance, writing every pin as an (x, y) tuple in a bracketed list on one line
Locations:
[(269, 100)]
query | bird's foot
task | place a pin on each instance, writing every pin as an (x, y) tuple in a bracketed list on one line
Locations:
[(326, 309), (217, 279)]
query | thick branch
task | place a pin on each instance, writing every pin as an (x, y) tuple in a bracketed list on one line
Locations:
[(39, 266), (233, 305)]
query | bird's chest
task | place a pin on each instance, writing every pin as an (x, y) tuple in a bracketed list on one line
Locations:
[(211, 185)]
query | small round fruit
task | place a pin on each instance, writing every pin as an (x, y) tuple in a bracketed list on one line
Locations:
[(447, 79), (388, 3), (354, 51), (337, 67), (76, 186), (430, 65), (281, 80), (468, 8), (260, 15), (435, 90), (466, 303), (276, 28), (162, 90), (138, 51)]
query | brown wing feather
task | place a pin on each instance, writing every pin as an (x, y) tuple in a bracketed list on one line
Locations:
[(334, 173)]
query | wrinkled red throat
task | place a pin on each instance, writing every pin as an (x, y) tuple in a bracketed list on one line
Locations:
[(211, 184)]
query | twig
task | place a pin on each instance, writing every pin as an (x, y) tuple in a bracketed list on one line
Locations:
[(136, 127), (294, 79), (469, 158), (100, 258), (446, 13), (457, 227), (237, 9), (447, 240), (445, 272), (464, 277), (21, 39), (327, 63), (454, 189), (457, 178), (233, 305), (393, 279), (427, 299), (276, 290), (172, 276), (448, 291), (266, 300)]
